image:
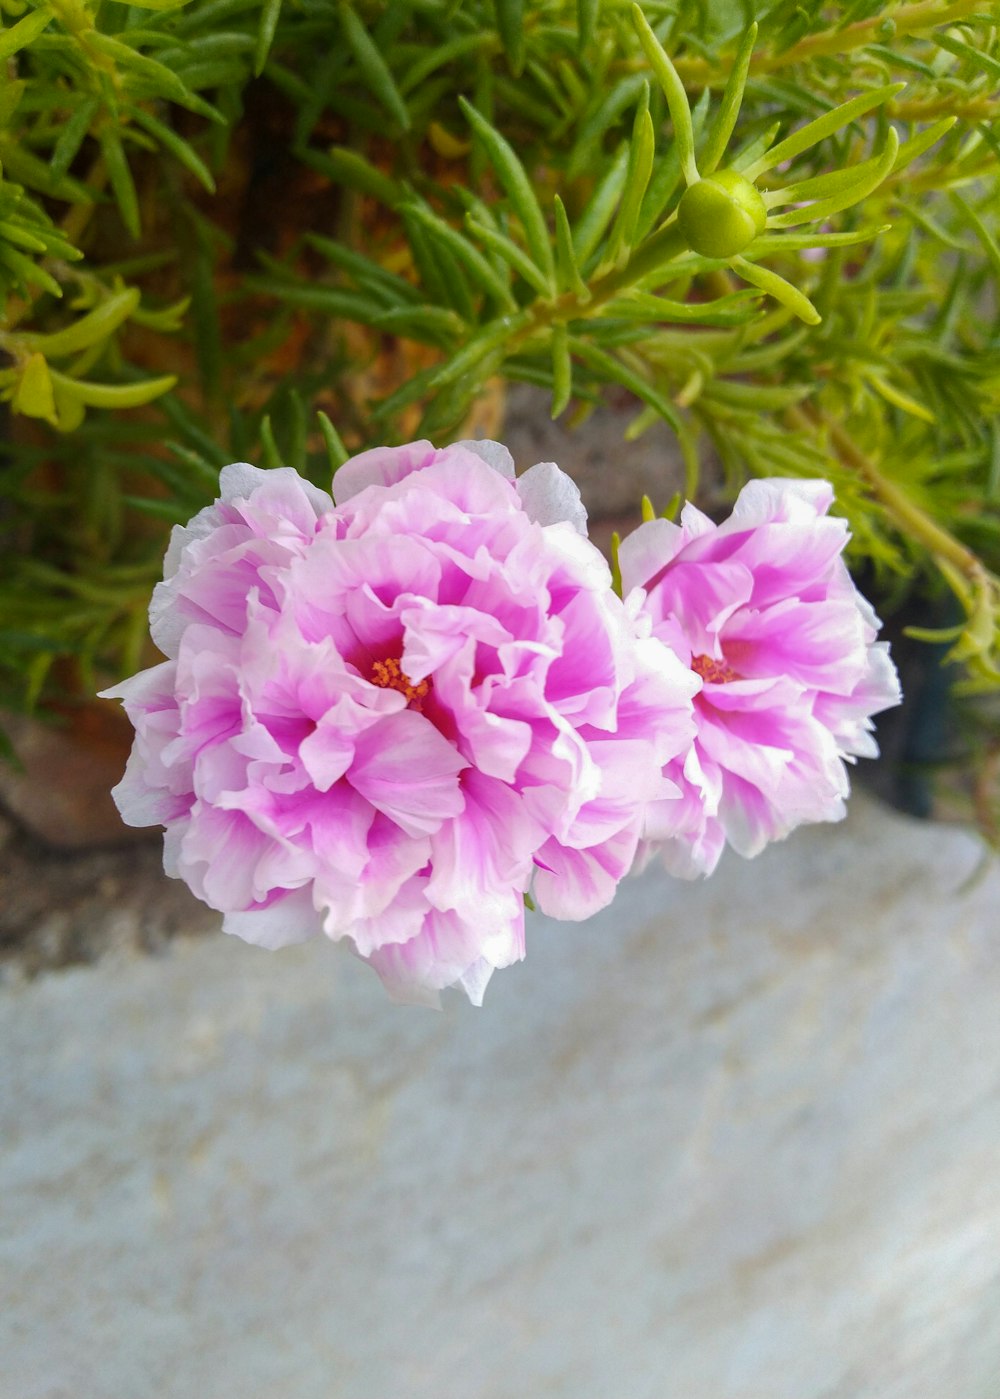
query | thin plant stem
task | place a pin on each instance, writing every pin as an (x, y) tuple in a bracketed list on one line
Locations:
[(908, 19)]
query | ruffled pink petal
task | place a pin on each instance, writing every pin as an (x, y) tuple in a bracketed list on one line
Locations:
[(218, 857), (433, 633), (381, 466), (447, 952), (646, 552), (780, 498), (406, 770), (281, 922), (576, 884), (481, 864)]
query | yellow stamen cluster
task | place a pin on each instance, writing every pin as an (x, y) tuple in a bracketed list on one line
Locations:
[(712, 671), (389, 675)]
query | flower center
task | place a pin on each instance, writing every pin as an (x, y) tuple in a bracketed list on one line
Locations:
[(389, 675), (715, 672)]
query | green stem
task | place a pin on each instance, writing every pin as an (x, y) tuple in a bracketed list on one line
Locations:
[(667, 242), (926, 14), (910, 518)]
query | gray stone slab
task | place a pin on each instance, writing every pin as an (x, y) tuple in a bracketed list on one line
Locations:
[(733, 1140)]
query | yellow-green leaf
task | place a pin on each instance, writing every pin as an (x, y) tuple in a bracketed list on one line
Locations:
[(114, 395), (89, 329), (34, 396), (19, 35)]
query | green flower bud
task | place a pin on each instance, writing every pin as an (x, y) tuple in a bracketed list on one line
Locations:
[(721, 214)]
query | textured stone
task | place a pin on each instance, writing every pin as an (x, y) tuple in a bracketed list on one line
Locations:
[(731, 1140)]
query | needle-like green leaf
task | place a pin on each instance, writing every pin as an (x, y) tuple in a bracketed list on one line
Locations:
[(815, 131), (777, 287), (373, 66), (518, 187), (729, 107), (269, 15), (673, 88)]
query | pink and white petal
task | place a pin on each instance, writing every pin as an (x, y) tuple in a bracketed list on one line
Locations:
[(447, 952), (148, 690), (749, 819), (468, 485), (584, 681), (433, 633), (790, 561), (381, 466), (494, 454), (757, 746), (819, 644), (679, 811), (571, 561), (576, 884), (221, 775), (694, 854), (646, 552), (879, 688), (630, 779), (339, 824), (399, 922), (327, 754), (696, 524), (549, 497), (280, 922), (141, 804), (214, 590), (782, 499), (475, 979), (282, 502), (557, 775), (701, 598), (478, 859), (394, 859), (407, 770), (173, 838), (493, 743), (200, 526), (218, 857), (361, 580)]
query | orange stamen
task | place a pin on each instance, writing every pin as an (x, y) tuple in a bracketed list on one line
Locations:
[(389, 675), (714, 672)]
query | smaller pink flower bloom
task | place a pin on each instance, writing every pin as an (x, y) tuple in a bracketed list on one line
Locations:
[(763, 611)]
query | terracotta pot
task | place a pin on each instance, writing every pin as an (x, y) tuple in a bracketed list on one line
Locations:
[(61, 793)]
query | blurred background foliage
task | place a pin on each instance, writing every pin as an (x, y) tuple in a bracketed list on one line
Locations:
[(227, 226)]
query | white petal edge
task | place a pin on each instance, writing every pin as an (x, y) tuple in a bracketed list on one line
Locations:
[(550, 497), (291, 920), (494, 454), (239, 480)]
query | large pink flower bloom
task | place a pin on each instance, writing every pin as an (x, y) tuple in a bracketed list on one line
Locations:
[(762, 608), (385, 720)]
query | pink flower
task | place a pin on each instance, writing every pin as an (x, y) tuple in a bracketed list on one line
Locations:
[(385, 719), (763, 610)]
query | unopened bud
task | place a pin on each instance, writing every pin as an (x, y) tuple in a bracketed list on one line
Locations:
[(721, 215)]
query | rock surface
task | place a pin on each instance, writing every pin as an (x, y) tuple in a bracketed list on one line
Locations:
[(60, 907), (732, 1140)]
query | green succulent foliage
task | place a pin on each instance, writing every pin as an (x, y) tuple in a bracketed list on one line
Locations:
[(774, 226)]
